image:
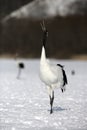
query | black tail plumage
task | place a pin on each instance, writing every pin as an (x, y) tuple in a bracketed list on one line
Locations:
[(21, 65), (64, 75)]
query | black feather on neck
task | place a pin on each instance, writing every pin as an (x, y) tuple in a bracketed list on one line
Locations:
[(45, 35)]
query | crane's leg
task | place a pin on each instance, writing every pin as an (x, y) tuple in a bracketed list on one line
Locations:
[(51, 96), (19, 72), (51, 102)]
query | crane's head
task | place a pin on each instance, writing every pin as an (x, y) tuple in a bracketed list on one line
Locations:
[(45, 33)]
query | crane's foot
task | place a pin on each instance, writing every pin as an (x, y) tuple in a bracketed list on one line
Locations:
[(51, 111), (51, 102)]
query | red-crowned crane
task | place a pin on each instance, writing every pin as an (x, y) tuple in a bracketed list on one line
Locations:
[(52, 75), (20, 66)]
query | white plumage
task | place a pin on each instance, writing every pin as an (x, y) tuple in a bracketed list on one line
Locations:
[(52, 75)]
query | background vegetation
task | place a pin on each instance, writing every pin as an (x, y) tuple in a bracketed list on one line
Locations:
[(67, 35)]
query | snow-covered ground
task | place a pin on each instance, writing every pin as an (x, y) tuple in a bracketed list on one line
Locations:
[(24, 102)]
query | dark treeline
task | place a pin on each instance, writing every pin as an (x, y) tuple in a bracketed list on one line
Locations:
[(67, 37)]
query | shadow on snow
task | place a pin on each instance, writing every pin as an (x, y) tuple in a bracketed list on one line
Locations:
[(59, 109)]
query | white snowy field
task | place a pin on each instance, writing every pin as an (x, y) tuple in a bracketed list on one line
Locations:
[(24, 102)]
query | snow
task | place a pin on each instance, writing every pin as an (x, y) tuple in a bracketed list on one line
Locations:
[(43, 9), (24, 102)]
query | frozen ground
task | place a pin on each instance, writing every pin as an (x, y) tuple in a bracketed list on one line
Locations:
[(24, 103)]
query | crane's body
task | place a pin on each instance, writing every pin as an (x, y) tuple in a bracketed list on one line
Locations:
[(52, 75)]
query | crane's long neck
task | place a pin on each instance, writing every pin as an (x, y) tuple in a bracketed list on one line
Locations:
[(43, 55), (43, 52)]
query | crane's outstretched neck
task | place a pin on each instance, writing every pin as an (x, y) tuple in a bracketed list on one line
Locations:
[(45, 35), (43, 55)]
